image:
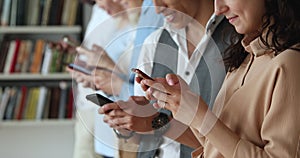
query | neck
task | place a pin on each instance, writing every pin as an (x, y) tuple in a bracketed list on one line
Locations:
[(204, 11), (196, 29)]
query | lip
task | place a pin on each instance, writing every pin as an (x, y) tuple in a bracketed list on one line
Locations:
[(232, 19), (169, 17)]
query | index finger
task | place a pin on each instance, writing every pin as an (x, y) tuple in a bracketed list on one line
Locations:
[(109, 107), (158, 85), (82, 50)]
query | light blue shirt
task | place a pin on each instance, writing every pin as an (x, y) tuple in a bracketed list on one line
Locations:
[(148, 22)]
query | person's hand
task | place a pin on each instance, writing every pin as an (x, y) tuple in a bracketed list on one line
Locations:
[(63, 46), (171, 93), (135, 114), (146, 87), (107, 81), (97, 57), (85, 80)]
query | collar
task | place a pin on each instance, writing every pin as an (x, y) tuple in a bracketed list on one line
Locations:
[(213, 22), (254, 45)]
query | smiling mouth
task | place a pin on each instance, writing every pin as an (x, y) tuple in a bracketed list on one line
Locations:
[(232, 19), (170, 17)]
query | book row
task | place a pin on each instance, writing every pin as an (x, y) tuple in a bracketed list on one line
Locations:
[(39, 12), (34, 103), (32, 56)]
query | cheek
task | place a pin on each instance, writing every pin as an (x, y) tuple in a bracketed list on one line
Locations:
[(254, 20)]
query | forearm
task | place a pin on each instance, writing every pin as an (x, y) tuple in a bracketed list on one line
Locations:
[(182, 134), (208, 125), (128, 136)]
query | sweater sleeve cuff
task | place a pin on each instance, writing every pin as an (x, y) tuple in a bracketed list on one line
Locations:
[(187, 111), (195, 113)]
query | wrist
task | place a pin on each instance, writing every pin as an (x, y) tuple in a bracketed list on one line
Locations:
[(122, 134), (160, 124)]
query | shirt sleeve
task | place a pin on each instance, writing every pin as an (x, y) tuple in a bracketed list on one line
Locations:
[(280, 130)]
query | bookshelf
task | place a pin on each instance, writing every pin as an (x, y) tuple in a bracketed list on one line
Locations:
[(48, 80), (40, 29), (39, 134), (36, 139)]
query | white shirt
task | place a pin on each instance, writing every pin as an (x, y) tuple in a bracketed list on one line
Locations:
[(145, 63), (103, 30)]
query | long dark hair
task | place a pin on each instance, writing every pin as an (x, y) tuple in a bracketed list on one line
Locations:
[(281, 23)]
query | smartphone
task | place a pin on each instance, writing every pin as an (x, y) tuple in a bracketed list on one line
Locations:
[(141, 74), (80, 69), (98, 99)]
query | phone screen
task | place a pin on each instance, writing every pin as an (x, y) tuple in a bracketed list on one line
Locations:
[(98, 99), (141, 74), (80, 69)]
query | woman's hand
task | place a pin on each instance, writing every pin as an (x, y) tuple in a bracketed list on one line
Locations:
[(171, 93)]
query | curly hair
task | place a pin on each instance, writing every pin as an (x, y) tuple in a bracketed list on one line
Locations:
[(281, 22)]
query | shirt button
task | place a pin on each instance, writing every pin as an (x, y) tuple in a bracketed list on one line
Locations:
[(187, 73)]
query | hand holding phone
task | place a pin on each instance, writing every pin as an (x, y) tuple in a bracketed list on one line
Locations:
[(80, 69), (98, 99), (141, 74)]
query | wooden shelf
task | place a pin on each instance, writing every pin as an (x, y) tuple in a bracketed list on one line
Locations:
[(41, 30), (35, 79), (37, 123)]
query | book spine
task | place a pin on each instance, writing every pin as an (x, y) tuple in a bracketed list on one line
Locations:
[(47, 60), (4, 101), (33, 12), (24, 97), (6, 12), (1, 8), (54, 104), (41, 102), (38, 55), (46, 12), (9, 111), (21, 12), (73, 14), (15, 56), (3, 55), (63, 100), (9, 58), (13, 13), (66, 12), (70, 108)]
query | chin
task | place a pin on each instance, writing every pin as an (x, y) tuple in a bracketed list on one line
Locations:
[(177, 25), (239, 30)]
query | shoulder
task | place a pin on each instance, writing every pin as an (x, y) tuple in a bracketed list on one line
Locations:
[(289, 58), (286, 66)]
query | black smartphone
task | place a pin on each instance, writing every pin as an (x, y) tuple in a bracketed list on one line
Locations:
[(141, 74), (98, 99), (80, 69)]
